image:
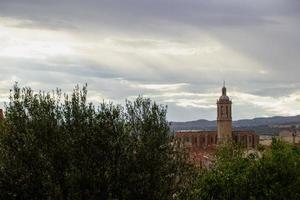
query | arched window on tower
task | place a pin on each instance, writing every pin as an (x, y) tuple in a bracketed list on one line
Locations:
[(222, 111), (227, 112)]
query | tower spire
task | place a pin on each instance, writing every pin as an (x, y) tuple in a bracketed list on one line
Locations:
[(224, 89)]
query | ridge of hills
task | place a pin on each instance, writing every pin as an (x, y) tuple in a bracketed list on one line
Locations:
[(262, 125)]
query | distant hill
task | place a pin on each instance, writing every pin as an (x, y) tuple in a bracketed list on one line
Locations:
[(265, 126)]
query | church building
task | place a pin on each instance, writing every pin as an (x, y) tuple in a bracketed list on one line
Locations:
[(207, 140)]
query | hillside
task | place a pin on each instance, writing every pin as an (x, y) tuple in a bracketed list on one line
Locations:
[(263, 126)]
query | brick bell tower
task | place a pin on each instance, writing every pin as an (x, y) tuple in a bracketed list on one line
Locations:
[(224, 119)]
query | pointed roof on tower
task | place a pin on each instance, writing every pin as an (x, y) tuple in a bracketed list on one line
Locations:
[(224, 93)]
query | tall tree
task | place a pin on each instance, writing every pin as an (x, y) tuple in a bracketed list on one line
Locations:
[(59, 146)]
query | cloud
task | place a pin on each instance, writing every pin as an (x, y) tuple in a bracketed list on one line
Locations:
[(176, 52), (156, 87)]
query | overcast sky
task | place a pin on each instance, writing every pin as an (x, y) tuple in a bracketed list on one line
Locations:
[(177, 52)]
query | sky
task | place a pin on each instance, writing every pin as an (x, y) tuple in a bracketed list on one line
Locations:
[(176, 52)]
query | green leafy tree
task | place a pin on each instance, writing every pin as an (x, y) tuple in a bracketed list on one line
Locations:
[(277, 173), (236, 174), (59, 146)]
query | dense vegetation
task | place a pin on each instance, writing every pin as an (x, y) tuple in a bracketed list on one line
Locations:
[(55, 146), (272, 173), (58, 146)]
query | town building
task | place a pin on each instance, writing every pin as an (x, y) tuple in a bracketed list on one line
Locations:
[(202, 143), (290, 135)]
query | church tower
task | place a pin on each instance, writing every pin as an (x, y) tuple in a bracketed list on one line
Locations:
[(224, 119)]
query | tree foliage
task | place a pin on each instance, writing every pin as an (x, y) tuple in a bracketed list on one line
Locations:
[(236, 174), (58, 146)]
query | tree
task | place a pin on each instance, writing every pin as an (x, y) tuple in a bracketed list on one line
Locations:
[(271, 174), (59, 146)]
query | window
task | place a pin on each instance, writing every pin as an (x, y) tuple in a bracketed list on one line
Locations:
[(227, 111), (222, 113), (195, 140)]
